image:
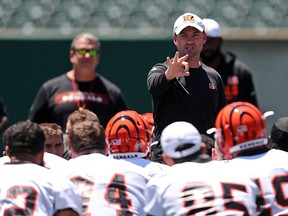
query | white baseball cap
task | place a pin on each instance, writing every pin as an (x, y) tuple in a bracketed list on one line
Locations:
[(188, 19), (212, 28), (178, 133)]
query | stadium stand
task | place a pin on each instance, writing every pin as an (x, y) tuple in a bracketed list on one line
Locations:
[(120, 19)]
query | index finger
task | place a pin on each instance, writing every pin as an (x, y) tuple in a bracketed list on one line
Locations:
[(183, 58), (176, 56)]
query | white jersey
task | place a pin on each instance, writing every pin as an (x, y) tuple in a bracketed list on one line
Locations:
[(30, 189), (107, 186), (152, 168), (270, 171), (50, 160), (200, 189), (4, 159)]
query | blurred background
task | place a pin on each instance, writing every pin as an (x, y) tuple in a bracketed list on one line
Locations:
[(35, 37)]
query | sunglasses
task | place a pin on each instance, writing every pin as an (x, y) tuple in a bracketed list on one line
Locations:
[(92, 52)]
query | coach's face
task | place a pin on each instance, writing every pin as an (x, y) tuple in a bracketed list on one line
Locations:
[(85, 60), (190, 41)]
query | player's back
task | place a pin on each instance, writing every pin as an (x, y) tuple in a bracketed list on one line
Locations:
[(270, 171), (204, 188), (152, 168), (4, 159), (29, 189), (50, 160), (108, 186)]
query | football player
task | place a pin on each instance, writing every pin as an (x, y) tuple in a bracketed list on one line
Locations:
[(195, 185), (107, 186), (241, 137), (128, 136), (53, 140), (26, 188)]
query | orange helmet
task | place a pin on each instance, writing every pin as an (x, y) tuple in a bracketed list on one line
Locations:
[(148, 116), (240, 126), (127, 135)]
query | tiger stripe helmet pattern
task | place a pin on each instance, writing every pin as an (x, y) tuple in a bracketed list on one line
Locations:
[(240, 126), (127, 135), (148, 116)]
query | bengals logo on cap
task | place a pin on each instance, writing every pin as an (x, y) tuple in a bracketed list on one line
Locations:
[(188, 18), (212, 86)]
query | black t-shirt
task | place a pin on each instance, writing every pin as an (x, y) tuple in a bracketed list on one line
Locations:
[(56, 99)]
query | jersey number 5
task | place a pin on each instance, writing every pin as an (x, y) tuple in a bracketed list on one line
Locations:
[(191, 194)]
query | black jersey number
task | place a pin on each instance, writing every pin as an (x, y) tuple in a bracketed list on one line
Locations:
[(281, 199), (193, 191), (190, 191), (116, 193), (30, 195), (238, 206), (85, 187)]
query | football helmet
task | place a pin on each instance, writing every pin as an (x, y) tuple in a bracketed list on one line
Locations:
[(127, 135), (148, 116), (239, 126)]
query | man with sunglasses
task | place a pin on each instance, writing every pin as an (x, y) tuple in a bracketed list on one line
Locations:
[(80, 88)]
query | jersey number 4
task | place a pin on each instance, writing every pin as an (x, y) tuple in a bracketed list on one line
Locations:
[(116, 193)]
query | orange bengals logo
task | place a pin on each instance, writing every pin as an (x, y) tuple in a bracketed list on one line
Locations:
[(232, 80), (212, 86), (74, 96), (188, 18)]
